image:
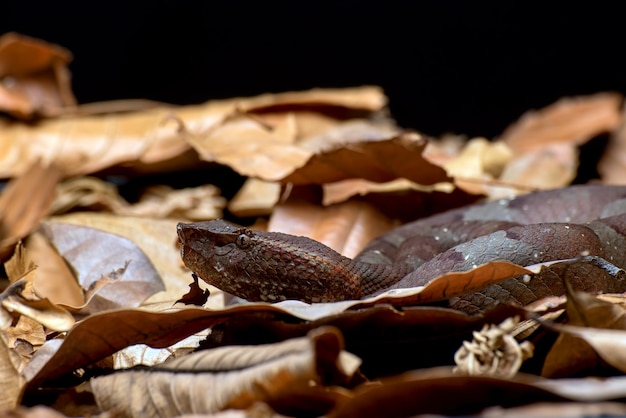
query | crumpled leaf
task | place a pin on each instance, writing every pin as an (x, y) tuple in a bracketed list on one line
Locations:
[(570, 120), (34, 77), (381, 160), (438, 391), (159, 201), (545, 141), (345, 227), (231, 377), (612, 164), (150, 139), (587, 333), (127, 327), (151, 236), (116, 267), (9, 373), (23, 203)]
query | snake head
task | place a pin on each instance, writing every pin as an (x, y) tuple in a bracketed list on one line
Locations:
[(265, 266)]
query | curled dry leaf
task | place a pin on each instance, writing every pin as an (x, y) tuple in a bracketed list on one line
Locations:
[(155, 237), (571, 121), (150, 138), (573, 354), (381, 160), (99, 258), (52, 279), (23, 203), (255, 198), (545, 142), (34, 77), (493, 351), (612, 165), (10, 375), (194, 203), (346, 227), (230, 377)]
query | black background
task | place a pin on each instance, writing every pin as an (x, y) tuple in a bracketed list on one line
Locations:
[(447, 66)]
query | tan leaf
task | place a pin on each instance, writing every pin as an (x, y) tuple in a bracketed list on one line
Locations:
[(346, 227), (149, 139), (35, 78), (96, 256), (572, 353), (255, 198), (550, 167), (230, 377), (23, 203), (9, 373), (20, 298), (612, 165), (381, 160), (571, 121), (155, 237), (478, 159)]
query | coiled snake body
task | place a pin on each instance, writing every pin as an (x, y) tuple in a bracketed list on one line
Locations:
[(539, 227)]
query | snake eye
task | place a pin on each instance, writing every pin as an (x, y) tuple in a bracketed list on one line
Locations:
[(243, 240)]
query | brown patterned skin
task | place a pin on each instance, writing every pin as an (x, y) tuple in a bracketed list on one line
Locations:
[(544, 226), (264, 266)]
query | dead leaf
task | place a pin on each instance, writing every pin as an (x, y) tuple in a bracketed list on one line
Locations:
[(23, 203), (231, 377), (9, 373), (35, 78), (151, 139), (255, 198), (612, 164), (381, 160), (568, 121), (345, 227), (155, 237), (96, 255), (572, 355)]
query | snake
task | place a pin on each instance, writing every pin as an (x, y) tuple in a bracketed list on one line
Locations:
[(529, 229)]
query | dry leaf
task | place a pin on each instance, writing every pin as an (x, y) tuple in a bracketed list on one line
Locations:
[(23, 203), (255, 198), (612, 165), (570, 121), (155, 237), (572, 354), (35, 78), (9, 373), (346, 227), (96, 256), (230, 377), (381, 160), (150, 139)]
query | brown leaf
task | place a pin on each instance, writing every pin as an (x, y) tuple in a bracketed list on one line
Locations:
[(571, 121), (35, 78), (96, 255), (255, 198), (379, 160), (345, 227), (9, 373), (612, 165), (230, 377), (155, 237), (23, 203), (439, 391), (86, 144), (574, 353)]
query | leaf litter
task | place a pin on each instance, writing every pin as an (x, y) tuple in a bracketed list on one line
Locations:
[(91, 272)]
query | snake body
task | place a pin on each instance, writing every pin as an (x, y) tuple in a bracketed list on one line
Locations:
[(538, 227)]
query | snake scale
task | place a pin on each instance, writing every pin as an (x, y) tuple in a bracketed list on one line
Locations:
[(534, 228)]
